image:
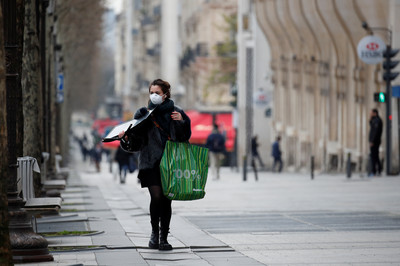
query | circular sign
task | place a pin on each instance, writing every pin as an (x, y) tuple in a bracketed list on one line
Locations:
[(370, 49), (261, 98)]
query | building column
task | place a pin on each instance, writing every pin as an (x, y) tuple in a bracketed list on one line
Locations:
[(170, 42)]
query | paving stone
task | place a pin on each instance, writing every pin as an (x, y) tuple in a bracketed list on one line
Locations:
[(120, 258)]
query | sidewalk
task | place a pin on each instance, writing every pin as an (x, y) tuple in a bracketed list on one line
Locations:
[(282, 219), (118, 222)]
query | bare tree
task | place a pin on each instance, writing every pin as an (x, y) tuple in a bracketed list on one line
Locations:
[(79, 28), (31, 88)]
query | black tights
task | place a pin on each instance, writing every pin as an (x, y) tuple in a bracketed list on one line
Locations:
[(160, 207)]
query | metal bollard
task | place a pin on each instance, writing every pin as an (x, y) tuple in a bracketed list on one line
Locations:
[(348, 166), (244, 167), (45, 159), (312, 167)]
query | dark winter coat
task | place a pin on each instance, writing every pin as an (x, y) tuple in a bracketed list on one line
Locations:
[(276, 152), (149, 139), (254, 147), (375, 132), (215, 142), (122, 157)]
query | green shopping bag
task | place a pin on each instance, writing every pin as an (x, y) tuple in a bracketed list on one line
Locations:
[(184, 169)]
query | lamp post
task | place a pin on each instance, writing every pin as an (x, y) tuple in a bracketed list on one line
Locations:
[(249, 108)]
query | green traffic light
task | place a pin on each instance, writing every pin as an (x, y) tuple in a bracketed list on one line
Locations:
[(381, 97)]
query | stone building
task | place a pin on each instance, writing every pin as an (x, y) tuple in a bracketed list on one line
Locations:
[(191, 44), (254, 87), (204, 30), (146, 35), (147, 31), (323, 92)]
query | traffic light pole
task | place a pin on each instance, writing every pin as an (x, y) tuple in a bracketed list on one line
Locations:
[(388, 76), (388, 116)]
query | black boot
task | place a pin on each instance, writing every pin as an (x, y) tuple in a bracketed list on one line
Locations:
[(164, 245), (154, 238)]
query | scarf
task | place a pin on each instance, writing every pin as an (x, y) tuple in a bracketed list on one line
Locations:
[(162, 113)]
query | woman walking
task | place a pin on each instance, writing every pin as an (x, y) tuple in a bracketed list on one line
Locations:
[(166, 122)]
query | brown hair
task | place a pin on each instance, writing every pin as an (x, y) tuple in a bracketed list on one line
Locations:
[(164, 85)]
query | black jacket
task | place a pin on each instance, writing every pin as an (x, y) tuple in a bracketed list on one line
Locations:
[(150, 140), (122, 157), (216, 142), (375, 132)]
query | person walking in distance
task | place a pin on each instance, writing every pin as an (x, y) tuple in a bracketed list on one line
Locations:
[(254, 150), (375, 134), (126, 163), (166, 122), (216, 145), (277, 154)]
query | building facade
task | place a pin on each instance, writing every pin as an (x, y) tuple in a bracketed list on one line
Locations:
[(323, 93), (138, 52), (208, 53), (182, 42), (254, 87)]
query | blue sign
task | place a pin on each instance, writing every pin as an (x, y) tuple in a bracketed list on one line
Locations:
[(60, 82), (396, 91), (60, 88)]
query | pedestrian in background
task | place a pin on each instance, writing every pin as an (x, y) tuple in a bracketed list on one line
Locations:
[(126, 162), (254, 150), (375, 134), (277, 154), (216, 146), (83, 144), (166, 122), (96, 156)]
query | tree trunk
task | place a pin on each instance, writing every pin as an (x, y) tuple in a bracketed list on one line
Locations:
[(51, 99), (32, 88), (5, 247)]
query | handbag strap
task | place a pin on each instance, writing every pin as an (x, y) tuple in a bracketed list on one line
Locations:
[(159, 127)]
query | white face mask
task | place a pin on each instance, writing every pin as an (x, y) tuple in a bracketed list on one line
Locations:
[(156, 99)]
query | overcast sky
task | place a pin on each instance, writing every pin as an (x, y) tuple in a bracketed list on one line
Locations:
[(114, 4)]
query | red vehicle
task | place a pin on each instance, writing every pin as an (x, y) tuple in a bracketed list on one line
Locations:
[(202, 125)]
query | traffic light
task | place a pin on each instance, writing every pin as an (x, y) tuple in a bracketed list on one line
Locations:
[(380, 97), (389, 64)]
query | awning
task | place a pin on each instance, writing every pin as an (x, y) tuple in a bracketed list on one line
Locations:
[(202, 125)]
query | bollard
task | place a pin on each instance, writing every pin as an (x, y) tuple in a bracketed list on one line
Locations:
[(253, 164), (312, 167), (244, 168), (43, 167), (348, 167)]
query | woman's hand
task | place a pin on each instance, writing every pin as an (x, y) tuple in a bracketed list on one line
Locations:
[(176, 116), (121, 134)]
